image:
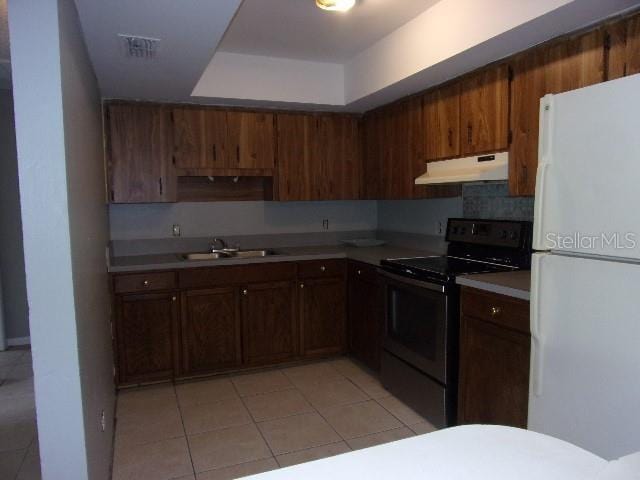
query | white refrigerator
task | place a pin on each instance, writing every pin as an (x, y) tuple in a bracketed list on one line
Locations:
[(585, 296)]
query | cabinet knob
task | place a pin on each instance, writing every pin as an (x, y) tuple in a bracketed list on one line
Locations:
[(359, 272), (245, 291), (323, 268), (145, 283), (495, 311), (174, 298), (302, 285)]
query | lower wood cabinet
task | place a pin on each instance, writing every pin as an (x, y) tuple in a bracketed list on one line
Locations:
[(146, 341), (210, 330), (366, 314), (269, 323), (323, 326), (199, 321), (494, 359)]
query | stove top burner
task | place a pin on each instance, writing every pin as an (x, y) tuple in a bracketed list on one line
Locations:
[(442, 268)]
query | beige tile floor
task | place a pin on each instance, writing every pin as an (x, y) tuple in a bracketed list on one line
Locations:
[(232, 426), (19, 457)]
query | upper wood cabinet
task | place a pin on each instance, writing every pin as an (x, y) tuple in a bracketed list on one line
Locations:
[(219, 139), (250, 140), (318, 157), (484, 111), (139, 164), (624, 42), (442, 122), (558, 67)]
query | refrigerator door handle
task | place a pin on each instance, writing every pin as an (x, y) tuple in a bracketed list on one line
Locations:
[(537, 336), (544, 160)]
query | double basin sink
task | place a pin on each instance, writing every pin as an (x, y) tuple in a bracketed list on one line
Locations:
[(221, 254)]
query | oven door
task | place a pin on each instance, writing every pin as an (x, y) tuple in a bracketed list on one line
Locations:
[(416, 323)]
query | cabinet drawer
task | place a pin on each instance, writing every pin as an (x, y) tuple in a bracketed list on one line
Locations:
[(236, 275), (321, 268), (362, 271), (498, 309), (144, 282)]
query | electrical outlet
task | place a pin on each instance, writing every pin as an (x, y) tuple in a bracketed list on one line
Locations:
[(103, 421), (176, 230), (325, 224)]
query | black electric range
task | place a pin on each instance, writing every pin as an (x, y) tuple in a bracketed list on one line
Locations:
[(420, 343)]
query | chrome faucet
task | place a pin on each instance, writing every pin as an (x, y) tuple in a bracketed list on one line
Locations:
[(218, 242)]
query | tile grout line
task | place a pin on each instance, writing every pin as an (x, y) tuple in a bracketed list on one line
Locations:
[(255, 424), (184, 430)]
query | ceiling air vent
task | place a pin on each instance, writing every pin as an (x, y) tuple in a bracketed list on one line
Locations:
[(139, 47)]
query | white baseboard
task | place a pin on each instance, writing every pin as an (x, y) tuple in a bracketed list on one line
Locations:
[(18, 341)]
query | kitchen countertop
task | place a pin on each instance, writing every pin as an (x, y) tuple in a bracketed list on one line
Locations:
[(513, 284), (370, 255)]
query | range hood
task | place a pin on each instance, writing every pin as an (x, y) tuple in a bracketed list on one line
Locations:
[(469, 169)]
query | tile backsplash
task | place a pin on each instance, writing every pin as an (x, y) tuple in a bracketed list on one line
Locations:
[(492, 201)]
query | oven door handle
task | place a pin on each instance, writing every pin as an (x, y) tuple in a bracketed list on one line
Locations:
[(410, 281)]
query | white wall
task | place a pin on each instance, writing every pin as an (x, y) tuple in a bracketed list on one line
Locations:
[(12, 274), (253, 77), (238, 218), (417, 216), (65, 232)]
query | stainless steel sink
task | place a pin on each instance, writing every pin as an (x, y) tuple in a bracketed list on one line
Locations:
[(203, 256), (228, 254)]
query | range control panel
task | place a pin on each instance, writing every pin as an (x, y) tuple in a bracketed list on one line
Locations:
[(498, 233)]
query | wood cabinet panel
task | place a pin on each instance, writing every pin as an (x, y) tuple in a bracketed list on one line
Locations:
[(484, 111), (365, 314), (322, 316), (442, 122), (146, 332), (494, 359), (250, 140), (321, 268), (144, 282), (216, 146), (338, 149), (372, 136), (623, 56), (210, 326), (294, 144), (139, 154), (269, 323), (494, 374), (189, 138), (565, 65)]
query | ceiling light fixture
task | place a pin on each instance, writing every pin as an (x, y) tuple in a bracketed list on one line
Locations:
[(336, 5)]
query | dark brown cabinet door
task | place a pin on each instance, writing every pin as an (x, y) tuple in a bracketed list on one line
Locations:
[(442, 122), (250, 140), (337, 151), (494, 374), (365, 314), (564, 65), (294, 156), (189, 138), (372, 135), (269, 323), (322, 316), (146, 332), (210, 325), (139, 154), (484, 111), (216, 144)]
